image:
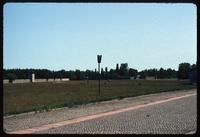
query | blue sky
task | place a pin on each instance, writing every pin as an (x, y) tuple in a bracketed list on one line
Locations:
[(69, 36)]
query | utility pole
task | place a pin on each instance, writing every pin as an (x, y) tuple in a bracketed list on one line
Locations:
[(99, 61)]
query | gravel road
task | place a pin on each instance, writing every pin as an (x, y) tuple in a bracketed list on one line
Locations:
[(29, 120)]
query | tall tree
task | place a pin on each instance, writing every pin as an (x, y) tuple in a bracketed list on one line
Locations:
[(102, 73), (161, 73), (124, 69), (106, 69), (183, 70), (11, 77), (78, 74), (193, 67), (133, 72), (193, 73), (117, 67), (106, 72)]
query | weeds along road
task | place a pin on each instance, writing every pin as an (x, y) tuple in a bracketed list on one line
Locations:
[(166, 113)]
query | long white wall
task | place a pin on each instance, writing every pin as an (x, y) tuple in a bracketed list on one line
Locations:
[(36, 80)]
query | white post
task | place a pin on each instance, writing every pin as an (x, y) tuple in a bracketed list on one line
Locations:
[(33, 77)]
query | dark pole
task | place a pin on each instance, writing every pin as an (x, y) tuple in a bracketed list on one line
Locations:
[(99, 61), (99, 77)]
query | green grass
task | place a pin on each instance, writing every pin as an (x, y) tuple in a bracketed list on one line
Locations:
[(25, 97)]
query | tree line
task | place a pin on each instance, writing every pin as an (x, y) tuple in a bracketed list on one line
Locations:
[(120, 72)]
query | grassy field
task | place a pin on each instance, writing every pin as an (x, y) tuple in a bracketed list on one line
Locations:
[(24, 97)]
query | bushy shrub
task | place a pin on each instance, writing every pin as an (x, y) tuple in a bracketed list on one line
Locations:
[(11, 77)]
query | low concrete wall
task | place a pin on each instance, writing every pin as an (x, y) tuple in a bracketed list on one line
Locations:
[(21, 81), (5, 81), (65, 79), (17, 81), (36, 80), (57, 79), (50, 80), (40, 80)]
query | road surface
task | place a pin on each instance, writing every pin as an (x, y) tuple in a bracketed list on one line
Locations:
[(173, 117)]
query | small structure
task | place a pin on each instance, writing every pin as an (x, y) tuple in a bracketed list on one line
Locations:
[(32, 77), (138, 77)]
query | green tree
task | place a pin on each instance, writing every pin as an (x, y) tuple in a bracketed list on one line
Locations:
[(193, 67), (46, 75), (133, 72), (106, 69), (183, 70), (102, 73), (161, 73), (111, 73), (143, 74), (95, 73), (11, 77), (72, 75), (106, 72), (193, 73), (117, 68), (78, 74), (124, 69), (169, 73)]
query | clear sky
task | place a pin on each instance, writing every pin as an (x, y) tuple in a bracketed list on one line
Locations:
[(69, 36)]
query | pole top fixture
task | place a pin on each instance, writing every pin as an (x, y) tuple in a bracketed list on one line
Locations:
[(99, 58)]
